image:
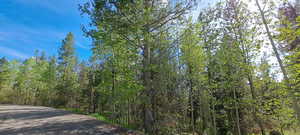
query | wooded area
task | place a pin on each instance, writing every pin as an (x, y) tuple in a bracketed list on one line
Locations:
[(156, 69)]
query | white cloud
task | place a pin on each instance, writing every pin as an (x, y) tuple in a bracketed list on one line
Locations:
[(13, 53), (82, 46), (12, 32)]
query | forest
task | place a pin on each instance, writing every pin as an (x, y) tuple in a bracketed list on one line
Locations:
[(232, 70)]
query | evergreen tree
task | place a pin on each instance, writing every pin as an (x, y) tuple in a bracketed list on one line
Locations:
[(67, 74)]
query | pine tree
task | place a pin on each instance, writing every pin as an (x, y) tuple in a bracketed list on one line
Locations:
[(66, 66)]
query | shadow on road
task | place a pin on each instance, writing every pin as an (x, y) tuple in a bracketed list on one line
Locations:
[(87, 127), (33, 114), (26, 120)]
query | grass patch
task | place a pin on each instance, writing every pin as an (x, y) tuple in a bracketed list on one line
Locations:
[(106, 119), (100, 117), (95, 115), (75, 110), (292, 132)]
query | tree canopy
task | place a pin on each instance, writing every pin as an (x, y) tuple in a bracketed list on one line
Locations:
[(157, 69)]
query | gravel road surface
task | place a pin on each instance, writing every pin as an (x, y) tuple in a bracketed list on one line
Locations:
[(37, 120)]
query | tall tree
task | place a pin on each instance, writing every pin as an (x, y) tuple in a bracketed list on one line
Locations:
[(139, 24), (66, 65), (270, 37)]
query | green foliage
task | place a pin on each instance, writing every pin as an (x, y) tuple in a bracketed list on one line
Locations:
[(67, 75), (156, 70)]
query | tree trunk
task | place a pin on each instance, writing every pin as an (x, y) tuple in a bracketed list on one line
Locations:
[(283, 70), (214, 120), (192, 122), (236, 112), (251, 84), (272, 42), (148, 114), (92, 106)]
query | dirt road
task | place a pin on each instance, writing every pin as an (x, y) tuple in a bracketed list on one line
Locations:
[(31, 120)]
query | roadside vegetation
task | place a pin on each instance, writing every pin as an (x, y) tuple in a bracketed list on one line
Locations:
[(233, 70)]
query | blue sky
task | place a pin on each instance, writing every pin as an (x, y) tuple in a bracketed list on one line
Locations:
[(29, 25)]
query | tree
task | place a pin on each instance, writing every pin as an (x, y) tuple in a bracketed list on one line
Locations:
[(289, 33), (270, 37), (191, 50), (157, 69), (5, 80), (50, 79), (66, 65), (137, 23), (3, 72)]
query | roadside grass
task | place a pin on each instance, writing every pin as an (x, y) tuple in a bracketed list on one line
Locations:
[(98, 116), (101, 117), (74, 110), (105, 118), (292, 132)]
